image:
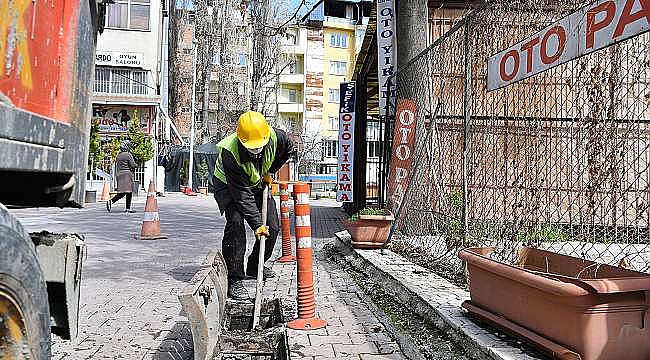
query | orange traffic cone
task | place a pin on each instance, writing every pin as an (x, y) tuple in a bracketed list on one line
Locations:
[(106, 192), (307, 319), (151, 222), (285, 221)]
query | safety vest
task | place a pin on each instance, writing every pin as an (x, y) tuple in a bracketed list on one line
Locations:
[(231, 144)]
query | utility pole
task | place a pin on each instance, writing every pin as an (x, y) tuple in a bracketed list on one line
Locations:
[(190, 171)]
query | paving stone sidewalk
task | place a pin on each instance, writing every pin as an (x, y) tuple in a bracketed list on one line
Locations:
[(353, 331)]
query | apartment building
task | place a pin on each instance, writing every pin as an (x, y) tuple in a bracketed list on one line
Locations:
[(321, 51), (127, 74)]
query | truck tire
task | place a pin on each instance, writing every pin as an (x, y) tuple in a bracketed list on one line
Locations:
[(24, 309)]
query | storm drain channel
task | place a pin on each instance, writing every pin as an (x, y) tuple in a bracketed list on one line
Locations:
[(222, 328)]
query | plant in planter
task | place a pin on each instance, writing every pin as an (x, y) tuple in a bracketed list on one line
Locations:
[(183, 174), (370, 227), (203, 172)]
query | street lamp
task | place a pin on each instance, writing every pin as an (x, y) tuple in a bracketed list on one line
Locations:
[(190, 169)]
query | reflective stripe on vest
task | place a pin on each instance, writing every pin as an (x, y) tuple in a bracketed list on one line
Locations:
[(231, 144)]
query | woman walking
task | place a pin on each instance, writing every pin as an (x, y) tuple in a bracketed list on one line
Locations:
[(125, 168)]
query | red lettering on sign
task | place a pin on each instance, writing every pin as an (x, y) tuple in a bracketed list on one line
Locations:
[(344, 197), (609, 8), (561, 39), (402, 151), (528, 48), (345, 177), (627, 17), (345, 187), (345, 167), (514, 54)]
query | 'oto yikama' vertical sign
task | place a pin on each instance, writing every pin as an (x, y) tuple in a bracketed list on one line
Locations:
[(346, 143), (402, 152), (591, 28)]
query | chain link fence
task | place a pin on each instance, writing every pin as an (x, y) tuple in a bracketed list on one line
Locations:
[(557, 161)]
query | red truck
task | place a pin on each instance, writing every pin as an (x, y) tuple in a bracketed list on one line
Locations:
[(47, 53)]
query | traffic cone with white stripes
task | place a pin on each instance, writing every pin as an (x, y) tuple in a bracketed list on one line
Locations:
[(151, 222), (307, 319), (285, 222)]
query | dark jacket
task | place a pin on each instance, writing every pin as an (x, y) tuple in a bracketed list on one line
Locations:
[(125, 167), (239, 191)]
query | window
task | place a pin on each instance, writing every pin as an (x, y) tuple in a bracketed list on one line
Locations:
[(121, 81), (185, 109), (330, 148), (372, 131), (292, 95), (338, 68), (241, 89), (334, 122), (339, 40), (334, 95), (187, 51), (215, 58), (293, 67), (373, 149), (128, 14), (240, 59)]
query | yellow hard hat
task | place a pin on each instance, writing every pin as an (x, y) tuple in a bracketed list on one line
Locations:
[(252, 130)]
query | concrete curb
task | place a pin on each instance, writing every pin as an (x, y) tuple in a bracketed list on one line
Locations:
[(431, 297)]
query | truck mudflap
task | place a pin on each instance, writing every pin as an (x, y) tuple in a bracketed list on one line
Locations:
[(61, 259), (204, 301)]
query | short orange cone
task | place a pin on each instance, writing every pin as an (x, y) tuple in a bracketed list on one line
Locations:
[(106, 192), (151, 222), (285, 222), (307, 319)]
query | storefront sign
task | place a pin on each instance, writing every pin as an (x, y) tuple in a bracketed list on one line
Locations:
[(591, 28), (115, 119), (401, 163), (117, 58), (346, 143), (387, 52)]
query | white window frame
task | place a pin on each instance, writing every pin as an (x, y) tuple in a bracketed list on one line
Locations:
[(330, 149), (339, 68), (334, 95), (339, 40), (294, 93), (334, 123), (129, 4)]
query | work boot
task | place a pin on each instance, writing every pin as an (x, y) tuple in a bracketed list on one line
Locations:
[(237, 291), (267, 273), (129, 211)]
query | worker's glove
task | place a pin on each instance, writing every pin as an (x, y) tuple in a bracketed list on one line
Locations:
[(267, 179), (262, 230)]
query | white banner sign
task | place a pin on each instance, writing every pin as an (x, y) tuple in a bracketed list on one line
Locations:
[(345, 172), (118, 58), (386, 52), (591, 28)]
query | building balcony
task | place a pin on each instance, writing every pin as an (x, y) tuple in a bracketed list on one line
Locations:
[(293, 49), (292, 78), (290, 108)]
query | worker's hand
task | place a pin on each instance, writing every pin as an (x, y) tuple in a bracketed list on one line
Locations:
[(262, 230), (268, 180)]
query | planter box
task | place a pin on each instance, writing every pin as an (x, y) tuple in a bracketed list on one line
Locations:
[(203, 190), (568, 307), (91, 196), (370, 231)]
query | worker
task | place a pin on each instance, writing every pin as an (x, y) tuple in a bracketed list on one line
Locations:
[(246, 160)]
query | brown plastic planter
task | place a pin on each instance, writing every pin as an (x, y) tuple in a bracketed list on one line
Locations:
[(370, 231), (570, 308)]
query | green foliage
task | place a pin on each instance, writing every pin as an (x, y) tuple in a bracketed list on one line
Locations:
[(456, 199), (183, 172), (203, 172), (95, 153), (141, 144), (369, 211), (546, 233)]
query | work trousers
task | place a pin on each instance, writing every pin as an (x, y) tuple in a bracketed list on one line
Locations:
[(233, 245)]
